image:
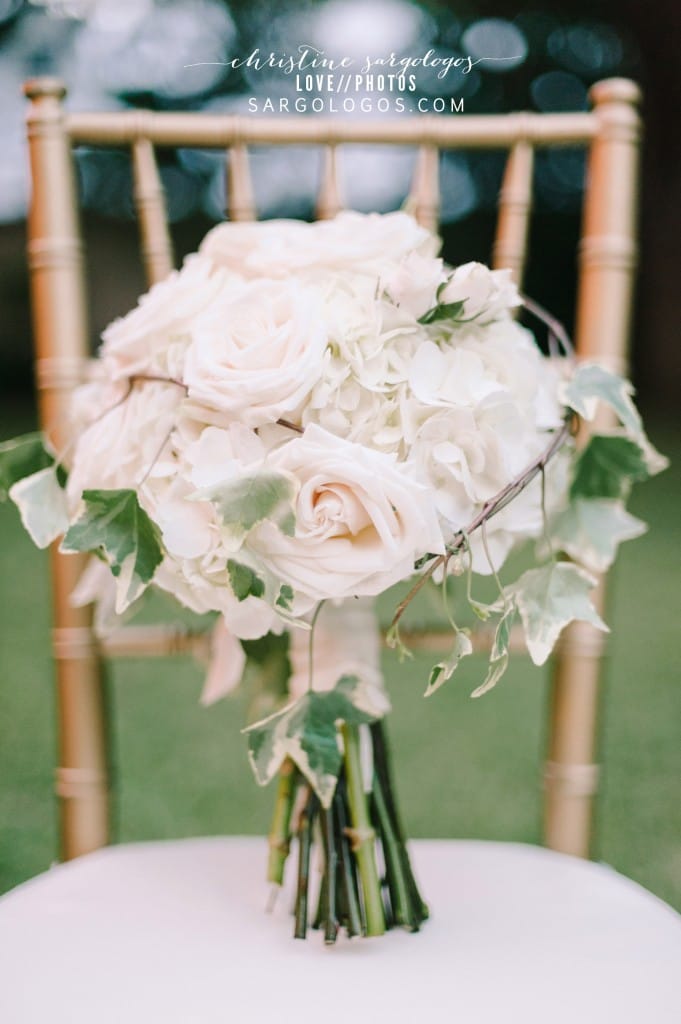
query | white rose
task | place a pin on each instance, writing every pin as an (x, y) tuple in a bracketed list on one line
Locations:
[(153, 337), (260, 357), (126, 440), (360, 521), (486, 294), (466, 457), (361, 243), (412, 284)]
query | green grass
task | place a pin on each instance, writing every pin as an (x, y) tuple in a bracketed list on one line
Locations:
[(465, 768)]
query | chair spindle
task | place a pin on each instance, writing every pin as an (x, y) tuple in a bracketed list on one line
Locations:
[(329, 201), (157, 252), (423, 201), (61, 341), (515, 203), (240, 193)]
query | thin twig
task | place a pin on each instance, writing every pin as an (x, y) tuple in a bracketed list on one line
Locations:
[(291, 426), (488, 510), (554, 325)]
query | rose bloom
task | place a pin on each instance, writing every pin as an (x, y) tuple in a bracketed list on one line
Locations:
[(468, 456), (361, 243), (360, 521), (257, 358), (412, 284), (125, 439), (486, 294), (153, 337)]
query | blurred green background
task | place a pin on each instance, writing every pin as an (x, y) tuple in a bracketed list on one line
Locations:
[(465, 768)]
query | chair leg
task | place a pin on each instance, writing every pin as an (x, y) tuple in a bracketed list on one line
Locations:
[(82, 775), (61, 343), (571, 771)]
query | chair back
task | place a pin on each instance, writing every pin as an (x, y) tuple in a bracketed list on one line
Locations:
[(606, 259)]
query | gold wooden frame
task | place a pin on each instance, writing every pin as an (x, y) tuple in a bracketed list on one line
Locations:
[(607, 257)]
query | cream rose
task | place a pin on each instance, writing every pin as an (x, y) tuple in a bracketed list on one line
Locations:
[(486, 294), (360, 243), (122, 445), (466, 457), (412, 284), (260, 356), (153, 337), (360, 521)]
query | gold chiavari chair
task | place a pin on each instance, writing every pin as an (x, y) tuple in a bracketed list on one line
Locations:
[(610, 132)]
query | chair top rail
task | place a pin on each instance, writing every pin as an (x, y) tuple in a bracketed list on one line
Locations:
[(474, 131)]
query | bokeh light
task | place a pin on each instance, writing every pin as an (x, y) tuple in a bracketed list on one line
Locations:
[(172, 54), (498, 43)]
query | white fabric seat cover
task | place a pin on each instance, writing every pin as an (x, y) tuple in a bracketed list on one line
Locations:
[(175, 932)]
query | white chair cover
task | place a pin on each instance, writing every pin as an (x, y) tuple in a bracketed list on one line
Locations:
[(175, 932)]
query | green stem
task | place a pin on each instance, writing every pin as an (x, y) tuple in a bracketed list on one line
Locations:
[(382, 768), (347, 865), (304, 846), (400, 895), (328, 895), (280, 832), (362, 833)]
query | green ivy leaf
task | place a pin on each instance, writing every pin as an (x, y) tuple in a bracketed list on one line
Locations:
[(548, 599), (607, 466), (112, 522), (444, 670), (307, 732), (498, 659), (244, 503), (41, 501), (244, 581), (591, 383), (21, 457), (590, 531)]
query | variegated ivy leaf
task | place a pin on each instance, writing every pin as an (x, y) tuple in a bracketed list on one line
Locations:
[(548, 599), (498, 659), (21, 457), (307, 732), (285, 597), (243, 503), (244, 581), (607, 467), (590, 531), (443, 311), (394, 641), (113, 523), (592, 383), (444, 670), (41, 501)]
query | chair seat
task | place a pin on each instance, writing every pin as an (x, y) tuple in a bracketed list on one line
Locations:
[(175, 931)]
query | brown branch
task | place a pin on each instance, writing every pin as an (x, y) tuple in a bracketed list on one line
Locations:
[(488, 510)]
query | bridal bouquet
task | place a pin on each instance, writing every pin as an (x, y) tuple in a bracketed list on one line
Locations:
[(300, 418)]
